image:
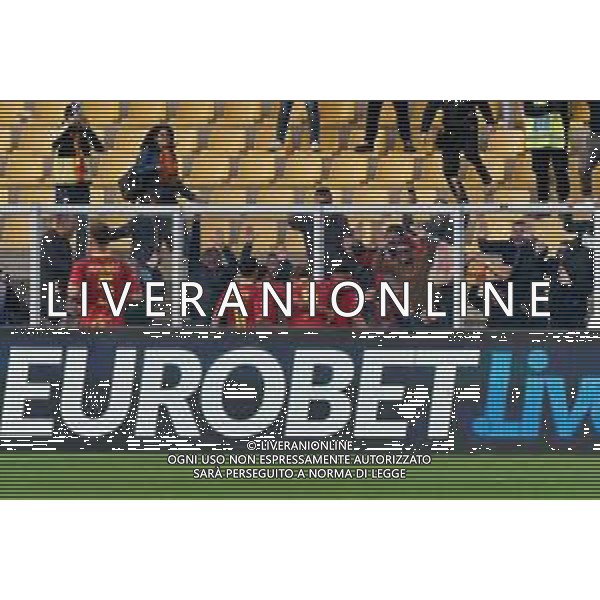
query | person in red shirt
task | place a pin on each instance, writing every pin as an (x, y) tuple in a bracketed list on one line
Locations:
[(100, 265), (301, 316), (275, 315), (301, 308), (250, 291)]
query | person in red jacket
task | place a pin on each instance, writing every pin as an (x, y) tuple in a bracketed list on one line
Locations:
[(99, 266)]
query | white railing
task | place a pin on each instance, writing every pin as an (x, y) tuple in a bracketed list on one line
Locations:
[(318, 212)]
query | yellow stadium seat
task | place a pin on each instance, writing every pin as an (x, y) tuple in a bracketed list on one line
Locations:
[(255, 169), (495, 164), (4, 195), (261, 137), (270, 109), (337, 114), (416, 110), (26, 168), (511, 195), (266, 231), (11, 113), (218, 193), (102, 113), (49, 112), (226, 140), (372, 193), (8, 139), (186, 141), (112, 165), (507, 143), (347, 170), (193, 114), (521, 174), (208, 171), (332, 141), (395, 169), (241, 113), (356, 136), (302, 170), (430, 184), (36, 139), (146, 113), (270, 230), (281, 194), (16, 232), (580, 111)]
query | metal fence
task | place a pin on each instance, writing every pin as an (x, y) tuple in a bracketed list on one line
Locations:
[(36, 213)]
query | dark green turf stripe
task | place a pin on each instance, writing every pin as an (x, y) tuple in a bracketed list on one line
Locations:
[(134, 476)]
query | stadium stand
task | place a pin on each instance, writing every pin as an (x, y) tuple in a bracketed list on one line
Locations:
[(225, 158)]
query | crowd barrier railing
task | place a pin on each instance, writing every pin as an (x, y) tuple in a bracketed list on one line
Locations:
[(319, 214)]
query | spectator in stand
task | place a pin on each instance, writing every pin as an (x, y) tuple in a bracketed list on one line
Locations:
[(285, 112), (528, 261), (401, 261), (155, 173), (275, 316), (442, 272), (547, 131), (284, 273), (355, 260), (153, 179), (593, 148), (271, 266), (347, 298), (493, 269), (301, 316), (73, 149), (100, 265), (417, 237), (459, 136), (13, 311), (335, 228), (57, 259), (572, 282), (251, 293), (214, 271), (372, 125)]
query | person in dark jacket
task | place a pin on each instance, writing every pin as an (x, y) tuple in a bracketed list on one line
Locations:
[(546, 136), (594, 148), (335, 228), (459, 136), (13, 311), (73, 149), (497, 318), (572, 281), (153, 179), (155, 173), (528, 259), (372, 125), (57, 259), (213, 269)]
